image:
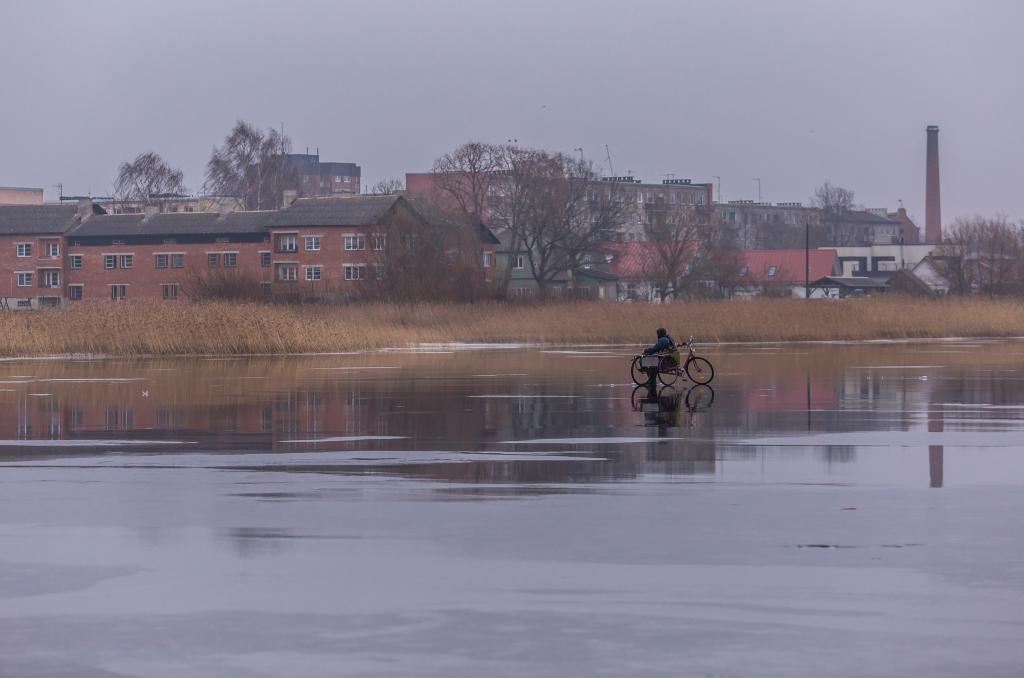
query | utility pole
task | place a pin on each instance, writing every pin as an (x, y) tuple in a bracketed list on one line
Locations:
[(807, 261)]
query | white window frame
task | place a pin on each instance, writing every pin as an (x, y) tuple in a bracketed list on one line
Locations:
[(355, 242), (518, 262), (156, 260), (46, 278), (355, 271), (23, 249), (292, 238), (126, 258), (23, 281), (286, 265), (75, 261), (266, 256), (312, 273), (169, 291), (224, 259), (122, 288), (55, 245), (309, 240), (173, 259), (109, 259), (380, 242), (71, 292), (487, 260)]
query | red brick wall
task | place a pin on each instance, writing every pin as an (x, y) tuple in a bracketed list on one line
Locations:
[(144, 279), (331, 258), (11, 263)]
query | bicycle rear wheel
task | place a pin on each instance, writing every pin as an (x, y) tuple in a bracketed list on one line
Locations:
[(638, 373), (700, 397), (699, 370), (668, 371)]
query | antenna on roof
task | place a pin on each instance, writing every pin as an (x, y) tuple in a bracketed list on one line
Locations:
[(60, 190)]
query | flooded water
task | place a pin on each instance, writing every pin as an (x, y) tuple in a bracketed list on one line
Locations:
[(469, 511)]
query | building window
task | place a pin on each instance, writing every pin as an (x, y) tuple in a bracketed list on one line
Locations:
[(312, 273), (109, 261), (163, 260), (118, 292), (380, 240), (265, 259), (340, 179), (170, 291), (743, 271), (230, 259), (24, 249), (287, 243), (170, 241), (75, 261), (125, 260), (772, 270), (287, 272), (355, 272), (487, 260), (312, 243), (25, 279), (518, 262), (213, 259), (177, 261), (51, 278), (378, 271), (355, 242), (75, 292), (53, 249)]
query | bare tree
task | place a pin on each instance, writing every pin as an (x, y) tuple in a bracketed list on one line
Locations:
[(387, 186), (253, 166), (147, 179), (835, 203), (465, 176), (569, 214), (985, 255), (687, 250)]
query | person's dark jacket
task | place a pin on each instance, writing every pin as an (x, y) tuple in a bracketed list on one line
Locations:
[(663, 344)]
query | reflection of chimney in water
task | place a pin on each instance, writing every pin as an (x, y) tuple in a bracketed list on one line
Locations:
[(935, 452)]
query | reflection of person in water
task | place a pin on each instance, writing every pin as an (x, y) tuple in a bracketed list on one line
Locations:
[(662, 407)]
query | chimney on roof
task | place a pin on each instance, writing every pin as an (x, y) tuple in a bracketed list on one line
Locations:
[(84, 208), (290, 196), (932, 201)]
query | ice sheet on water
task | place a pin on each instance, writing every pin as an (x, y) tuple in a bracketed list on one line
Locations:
[(359, 367), (620, 440), (897, 367), (89, 443), (85, 380), (345, 439)]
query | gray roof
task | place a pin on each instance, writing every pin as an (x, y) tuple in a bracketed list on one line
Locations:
[(357, 210), (175, 223), (36, 219)]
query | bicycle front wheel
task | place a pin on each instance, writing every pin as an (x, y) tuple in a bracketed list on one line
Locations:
[(699, 370)]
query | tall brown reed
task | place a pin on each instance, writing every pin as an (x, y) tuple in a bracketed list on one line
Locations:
[(253, 328)]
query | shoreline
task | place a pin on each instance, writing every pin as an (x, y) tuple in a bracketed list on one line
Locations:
[(465, 346), (241, 330)]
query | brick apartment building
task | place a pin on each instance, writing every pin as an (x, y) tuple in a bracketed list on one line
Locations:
[(53, 255), (318, 178)]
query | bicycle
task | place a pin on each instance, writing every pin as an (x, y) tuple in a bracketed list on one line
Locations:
[(666, 366)]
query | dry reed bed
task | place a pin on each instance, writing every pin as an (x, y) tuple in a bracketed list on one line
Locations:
[(227, 328)]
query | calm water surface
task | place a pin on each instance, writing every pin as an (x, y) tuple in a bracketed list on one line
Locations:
[(834, 510)]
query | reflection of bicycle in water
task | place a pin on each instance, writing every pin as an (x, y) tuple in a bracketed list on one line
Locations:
[(661, 406), (666, 367)]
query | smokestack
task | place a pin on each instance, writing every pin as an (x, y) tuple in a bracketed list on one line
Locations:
[(932, 201)]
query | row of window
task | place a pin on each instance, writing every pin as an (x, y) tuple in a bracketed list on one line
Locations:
[(24, 249), (289, 242), (49, 278), (169, 292), (290, 272)]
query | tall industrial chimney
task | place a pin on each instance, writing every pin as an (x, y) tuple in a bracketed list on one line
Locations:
[(932, 201)]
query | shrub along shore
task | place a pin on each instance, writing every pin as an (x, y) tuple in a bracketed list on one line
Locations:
[(223, 328)]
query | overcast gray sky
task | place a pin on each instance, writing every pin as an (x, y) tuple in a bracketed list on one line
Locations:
[(793, 92)]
